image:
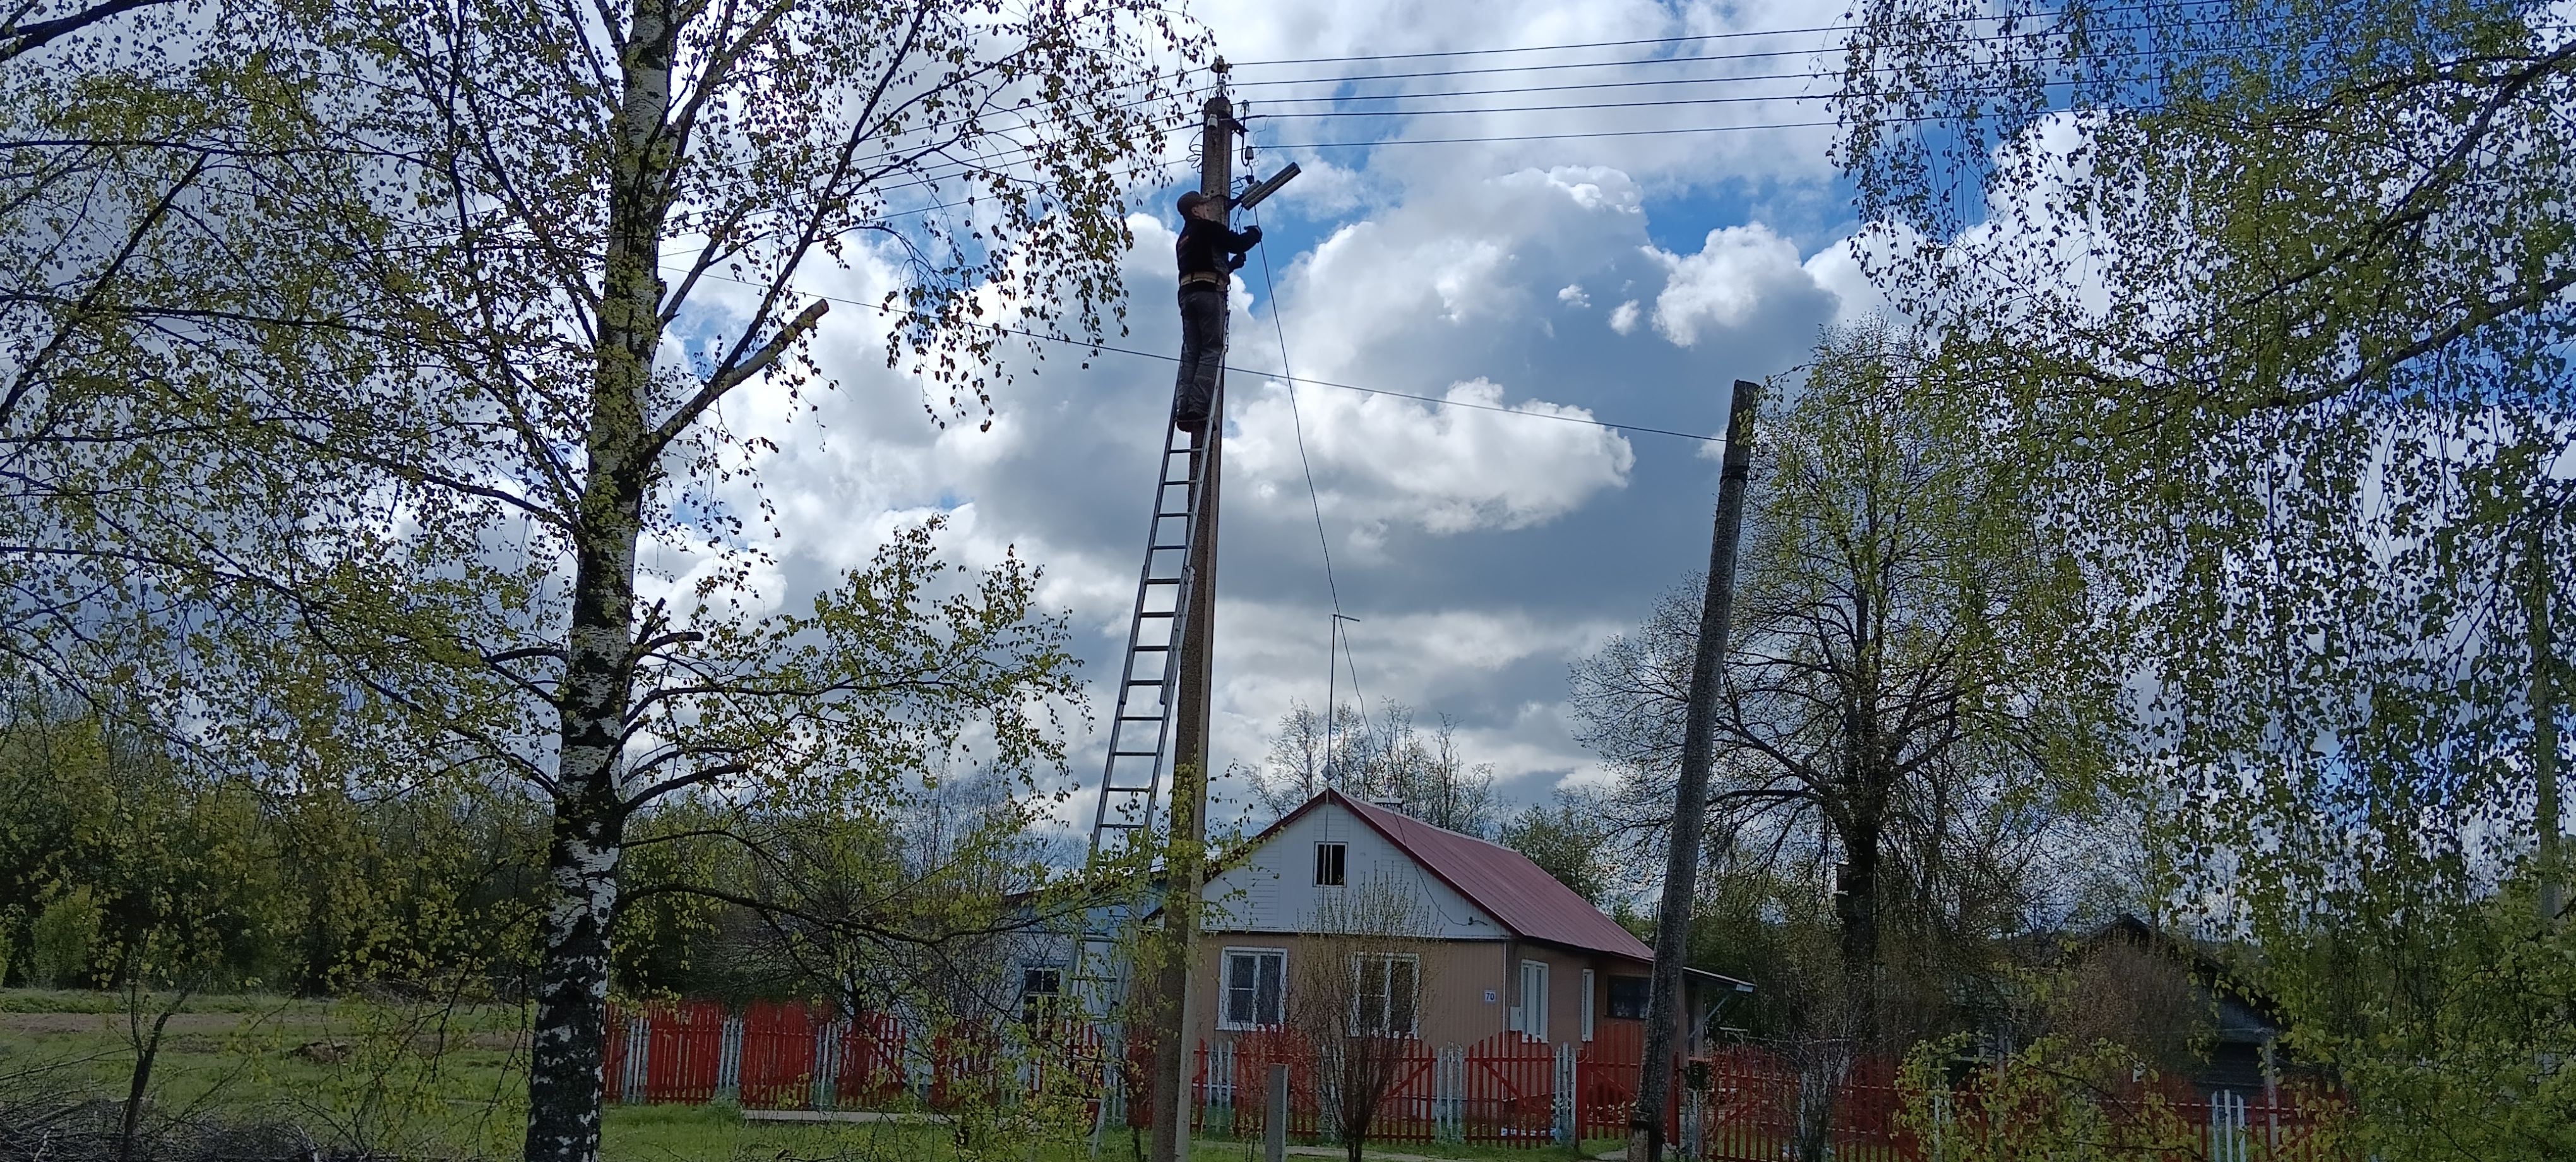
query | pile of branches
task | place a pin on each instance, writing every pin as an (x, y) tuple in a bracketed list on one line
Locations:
[(95, 1131)]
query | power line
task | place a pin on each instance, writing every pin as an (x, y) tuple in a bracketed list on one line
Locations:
[(1546, 108), (1571, 136), (1514, 90), (1585, 86), (1281, 375), (1969, 19), (1409, 56), (923, 171), (1297, 421), (1956, 91), (1631, 62)]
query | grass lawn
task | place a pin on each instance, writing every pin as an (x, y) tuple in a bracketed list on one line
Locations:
[(446, 1083)]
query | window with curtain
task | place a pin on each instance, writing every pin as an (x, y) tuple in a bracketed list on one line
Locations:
[(1386, 994), (1256, 987)]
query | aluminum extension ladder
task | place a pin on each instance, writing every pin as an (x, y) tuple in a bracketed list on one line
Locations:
[(1140, 733)]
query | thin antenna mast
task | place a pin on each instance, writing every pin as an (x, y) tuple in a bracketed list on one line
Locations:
[(1332, 693)]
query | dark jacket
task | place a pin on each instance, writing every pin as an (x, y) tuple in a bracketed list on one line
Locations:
[(1210, 248)]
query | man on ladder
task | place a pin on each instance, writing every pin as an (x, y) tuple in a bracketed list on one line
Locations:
[(1208, 251)]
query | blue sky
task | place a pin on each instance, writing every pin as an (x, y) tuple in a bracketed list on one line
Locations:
[(1625, 279)]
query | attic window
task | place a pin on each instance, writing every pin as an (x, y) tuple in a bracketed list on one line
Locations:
[(1331, 864)]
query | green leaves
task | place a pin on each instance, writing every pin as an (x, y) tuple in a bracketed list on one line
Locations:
[(905, 667), (2270, 303)]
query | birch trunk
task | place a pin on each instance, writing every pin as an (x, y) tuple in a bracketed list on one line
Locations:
[(564, 1084)]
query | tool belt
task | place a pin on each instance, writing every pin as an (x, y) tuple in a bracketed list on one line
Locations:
[(1207, 278)]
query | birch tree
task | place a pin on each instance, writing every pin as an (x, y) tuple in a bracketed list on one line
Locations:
[(533, 251), (2272, 303)]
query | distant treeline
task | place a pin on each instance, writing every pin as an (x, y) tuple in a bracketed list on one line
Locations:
[(124, 857)]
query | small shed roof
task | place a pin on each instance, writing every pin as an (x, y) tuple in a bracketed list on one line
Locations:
[(1516, 892)]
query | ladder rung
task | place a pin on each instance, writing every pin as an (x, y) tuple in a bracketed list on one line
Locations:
[(1162, 580), (1148, 649), (1144, 681), (1157, 613)]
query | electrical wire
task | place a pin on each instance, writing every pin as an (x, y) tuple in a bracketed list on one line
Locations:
[(1515, 90), (1633, 62), (1570, 136), (1583, 86), (1545, 108), (1938, 20), (1410, 56), (1282, 376), (1297, 420), (928, 173)]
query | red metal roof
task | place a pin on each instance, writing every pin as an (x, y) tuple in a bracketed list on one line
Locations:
[(1503, 882)]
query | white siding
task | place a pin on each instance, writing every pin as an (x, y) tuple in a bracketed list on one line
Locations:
[(1272, 889)]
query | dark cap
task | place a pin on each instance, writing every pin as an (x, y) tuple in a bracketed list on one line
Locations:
[(1192, 200)]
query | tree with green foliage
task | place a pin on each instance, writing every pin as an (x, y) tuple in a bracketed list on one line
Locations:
[(207, 879), (1894, 708), (435, 338), (2270, 304), (1566, 838)]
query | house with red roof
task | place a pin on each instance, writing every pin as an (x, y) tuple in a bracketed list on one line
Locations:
[(1504, 946)]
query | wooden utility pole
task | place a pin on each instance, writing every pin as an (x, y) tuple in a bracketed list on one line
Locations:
[(2544, 731), (1664, 1005), (1176, 1010)]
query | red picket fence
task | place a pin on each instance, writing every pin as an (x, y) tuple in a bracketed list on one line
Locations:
[(871, 1066), (2289, 1124), (1231, 1090), (683, 1052), (1605, 1080), (779, 1042), (1741, 1103), (1502, 1090), (1509, 1085), (1750, 1110)]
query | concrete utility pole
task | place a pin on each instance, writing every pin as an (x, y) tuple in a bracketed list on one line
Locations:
[(2544, 732), (1664, 1005), (1176, 1012)]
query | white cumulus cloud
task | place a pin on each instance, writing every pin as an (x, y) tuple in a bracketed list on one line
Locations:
[(1738, 271), (1382, 460)]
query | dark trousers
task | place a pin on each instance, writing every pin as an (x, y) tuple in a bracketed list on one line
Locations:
[(1202, 353)]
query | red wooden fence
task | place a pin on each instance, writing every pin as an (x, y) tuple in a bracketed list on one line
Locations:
[(778, 1046), (1504, 1090), (871, 1069), (683, 1051), (1605, 1081), (1510, 1091)]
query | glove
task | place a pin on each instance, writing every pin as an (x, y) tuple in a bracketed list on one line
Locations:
[(1251, 236), (1235, 263)]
